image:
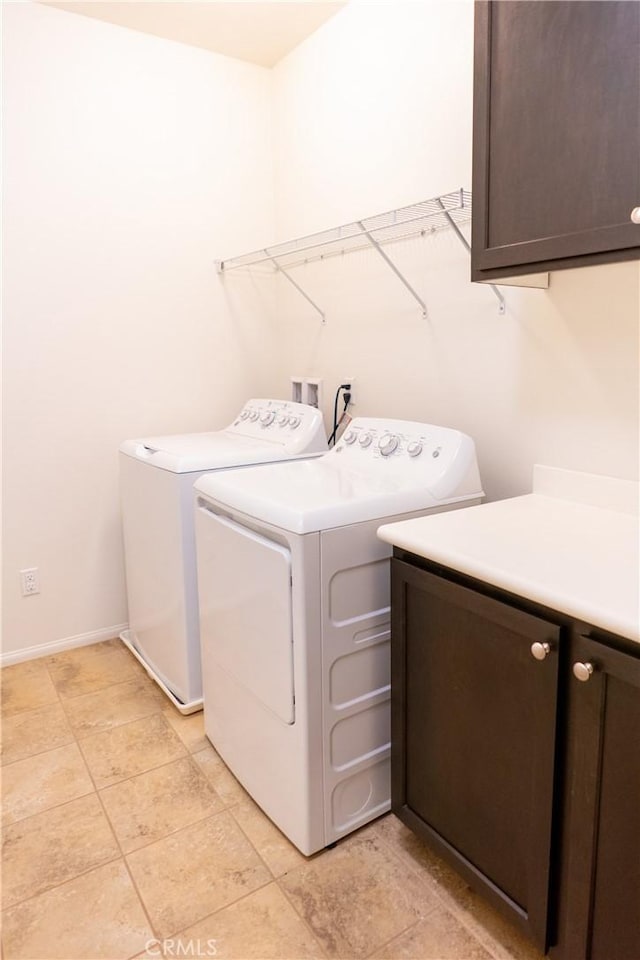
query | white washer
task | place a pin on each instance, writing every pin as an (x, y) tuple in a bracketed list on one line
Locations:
[(295, 617), (156, 481)]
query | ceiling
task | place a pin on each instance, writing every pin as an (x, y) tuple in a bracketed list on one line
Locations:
[(260, 32)]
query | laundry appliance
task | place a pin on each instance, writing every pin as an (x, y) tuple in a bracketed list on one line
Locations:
[(156, 480), (295, 617)]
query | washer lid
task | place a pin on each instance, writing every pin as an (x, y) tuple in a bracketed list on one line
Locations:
[(263, 431), (355, 481), (194, 452)]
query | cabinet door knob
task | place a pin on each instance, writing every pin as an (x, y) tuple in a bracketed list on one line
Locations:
[(635, 215), (540, 650), (583, 671)]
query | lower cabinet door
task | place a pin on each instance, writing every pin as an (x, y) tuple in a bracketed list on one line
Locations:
[(599, 917), (474, 689)]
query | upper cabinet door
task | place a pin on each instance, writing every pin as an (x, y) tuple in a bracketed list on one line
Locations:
[(556, 145)]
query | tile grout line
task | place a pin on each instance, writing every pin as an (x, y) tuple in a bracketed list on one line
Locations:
[(118, 844), (488, 945), (38, 753), (273, 879), (171, 833), (304, 920), (249, 840), (379, 946), (214, 913), (209, 816), (113, 726), (140, 772), (78, 743), (104, 812), (477, 931), (82, 873), (391, 940), (49, 657), (63, 883), (159, 766), (127, 867)]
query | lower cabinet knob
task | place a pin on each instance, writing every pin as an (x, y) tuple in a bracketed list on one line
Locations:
[(583, 671), (540, 650)]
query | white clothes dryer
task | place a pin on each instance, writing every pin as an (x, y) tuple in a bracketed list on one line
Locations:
[(156, 480), (295, 617)]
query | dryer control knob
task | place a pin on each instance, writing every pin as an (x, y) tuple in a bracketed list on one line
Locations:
[(282, 420), (294, 422), (349, 437), (387, 444), (415, 448), (253, 416), (267, 417), (365, 439), (244, 414)]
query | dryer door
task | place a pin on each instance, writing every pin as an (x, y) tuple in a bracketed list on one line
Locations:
[(244, 583)]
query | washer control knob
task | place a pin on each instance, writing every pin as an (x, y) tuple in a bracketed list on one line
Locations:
[(294, 422), (282, 420), (387, 444), (349, 437), (415, 448), (253, 416), (365, 439), (267, 417)]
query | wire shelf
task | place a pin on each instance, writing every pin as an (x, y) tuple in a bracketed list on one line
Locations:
[(447, 212), (405, 222)]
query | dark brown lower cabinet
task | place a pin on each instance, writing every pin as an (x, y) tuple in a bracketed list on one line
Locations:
[(473, 736), (599, 892), (521, 775)]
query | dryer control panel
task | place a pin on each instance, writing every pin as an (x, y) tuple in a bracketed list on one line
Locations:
[(411, 453)]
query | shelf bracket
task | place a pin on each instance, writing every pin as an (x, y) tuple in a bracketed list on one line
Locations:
[(374, 243), (293, 282), (463, 240)]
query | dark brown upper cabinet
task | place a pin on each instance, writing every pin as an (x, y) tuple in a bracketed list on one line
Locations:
[(556, 138)]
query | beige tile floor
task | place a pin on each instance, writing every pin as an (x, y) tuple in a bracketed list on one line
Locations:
[(125, 835)]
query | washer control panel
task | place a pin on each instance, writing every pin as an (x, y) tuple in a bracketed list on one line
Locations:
[(280, 421)]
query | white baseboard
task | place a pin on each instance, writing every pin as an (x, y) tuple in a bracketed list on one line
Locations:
[(57, 646)]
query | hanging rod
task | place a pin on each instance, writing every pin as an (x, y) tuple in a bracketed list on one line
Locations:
[(451, 210)]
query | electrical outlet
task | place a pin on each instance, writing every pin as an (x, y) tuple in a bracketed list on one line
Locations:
[(30, 581), (349, 380)]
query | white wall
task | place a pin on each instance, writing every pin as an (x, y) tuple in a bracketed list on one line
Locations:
[(372, 112), (130, 164)]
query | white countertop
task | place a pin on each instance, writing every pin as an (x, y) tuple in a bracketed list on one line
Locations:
[(576, 556)]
